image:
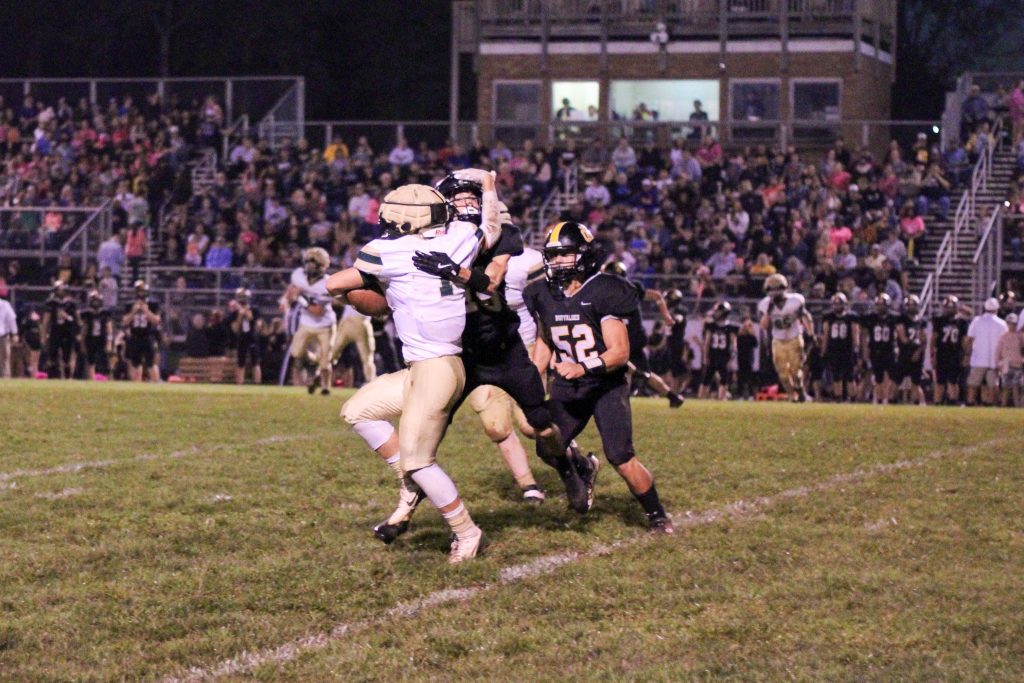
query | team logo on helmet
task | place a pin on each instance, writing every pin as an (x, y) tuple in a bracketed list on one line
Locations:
[(569, 238)]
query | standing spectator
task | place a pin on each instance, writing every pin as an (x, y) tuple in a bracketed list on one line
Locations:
[(8, 336), (196, 343), (982, 341), (911, 227), (108, 289), (111, 254), (1017, 111), (698, 122), (220, 254), (135, 247), (975, 112), (1010, 363)]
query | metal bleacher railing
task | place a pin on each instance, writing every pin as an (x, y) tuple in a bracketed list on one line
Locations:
[(966, 218)]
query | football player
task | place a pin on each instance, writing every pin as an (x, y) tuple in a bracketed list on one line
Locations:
[(581, 316), (97, 335), (355, 328), (718, 350), (308, 290), (247, 326), (947, 352), (880, 339), (60, 329), (499, 369), (430, 316), (840, 336), (784, 315), (910, 333), (142, 320), (638, 362)]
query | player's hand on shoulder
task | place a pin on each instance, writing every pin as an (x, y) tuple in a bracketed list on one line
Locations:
[(436, 263), (569, 370)]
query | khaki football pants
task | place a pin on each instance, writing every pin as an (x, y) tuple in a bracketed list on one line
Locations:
[(788, 356), (495, 408), (421, 396), (302, 339), (358, 331)]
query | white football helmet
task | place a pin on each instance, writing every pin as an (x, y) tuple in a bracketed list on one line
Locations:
[(414, 208)]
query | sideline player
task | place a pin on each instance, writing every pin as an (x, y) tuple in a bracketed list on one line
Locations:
[(97, 338), (949, 329), (638, 361), (910, 336), (840, 336), (718, 350), (143, 324), (880, 329), (784, 315), (60, 330), (581, 315), (308, 288), (430, 316), (247, 326)]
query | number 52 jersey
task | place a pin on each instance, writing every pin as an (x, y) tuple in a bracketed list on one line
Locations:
[(571, 325)]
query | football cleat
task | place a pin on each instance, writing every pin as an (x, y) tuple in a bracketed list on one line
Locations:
[(325, 392), (590, 477), (675, 400), (388, 533), (661, 525), (467, 547), (533, 494), (398, 523)]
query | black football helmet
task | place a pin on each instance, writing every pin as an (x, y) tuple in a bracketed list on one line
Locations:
[(839, 302), (141, 289), (569, 238), (616, 268), (721, 311), (466, 208), (673, 296), (911, 305), (94, 299), (950, 305), (882, 303), (243, 295)]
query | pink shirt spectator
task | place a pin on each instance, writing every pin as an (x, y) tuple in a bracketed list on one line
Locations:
[(912, 226)]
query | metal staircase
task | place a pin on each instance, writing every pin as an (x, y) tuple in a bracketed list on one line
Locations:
[(949, 253), (560, 199)]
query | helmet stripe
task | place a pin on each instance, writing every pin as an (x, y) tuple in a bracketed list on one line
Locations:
[(553, 237)]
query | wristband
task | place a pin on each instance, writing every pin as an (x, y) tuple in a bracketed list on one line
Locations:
[(594, 366), (478, 280)]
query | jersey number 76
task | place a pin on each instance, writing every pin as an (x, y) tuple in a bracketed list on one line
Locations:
[(576, 344)]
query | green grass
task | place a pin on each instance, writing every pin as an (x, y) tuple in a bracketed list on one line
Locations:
[(256, 533)]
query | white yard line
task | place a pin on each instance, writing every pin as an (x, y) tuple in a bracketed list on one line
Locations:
[(248, 661), (8, 479)]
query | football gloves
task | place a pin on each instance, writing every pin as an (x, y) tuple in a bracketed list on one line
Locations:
[(438, 264)]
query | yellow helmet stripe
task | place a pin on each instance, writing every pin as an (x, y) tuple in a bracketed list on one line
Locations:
[(553, 235)]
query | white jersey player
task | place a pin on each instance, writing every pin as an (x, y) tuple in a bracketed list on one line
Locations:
[(785, 318), (308, 289), (429, 315), (522, 270), (355, 328)]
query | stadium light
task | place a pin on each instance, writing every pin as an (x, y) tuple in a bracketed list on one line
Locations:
[(935, 129)]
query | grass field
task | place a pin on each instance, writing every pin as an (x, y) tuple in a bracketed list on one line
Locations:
[(170, 532)]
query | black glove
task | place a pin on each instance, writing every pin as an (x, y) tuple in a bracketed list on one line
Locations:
[(436, 263)]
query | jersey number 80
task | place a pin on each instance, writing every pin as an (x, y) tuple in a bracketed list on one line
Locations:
[(576, 344)]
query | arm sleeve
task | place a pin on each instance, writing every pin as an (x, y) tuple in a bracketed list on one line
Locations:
[(489, 219)]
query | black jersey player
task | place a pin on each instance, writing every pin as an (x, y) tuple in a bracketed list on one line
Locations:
[(60, 326), (910, 342), (840, 340), (947, 351), (246, 326), (718, 350), (880, 330), (97, 335), (581, 316), (142, 322)]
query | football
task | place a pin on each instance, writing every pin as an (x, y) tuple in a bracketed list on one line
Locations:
[(368, 302)]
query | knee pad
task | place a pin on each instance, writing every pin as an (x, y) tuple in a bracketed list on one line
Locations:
[(374, 432)]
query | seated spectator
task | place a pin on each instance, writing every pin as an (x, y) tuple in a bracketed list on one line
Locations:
[(723, 262), (975, 111), (196, 343), (401, 154), (623, 156), (934, 192), (219, 254)]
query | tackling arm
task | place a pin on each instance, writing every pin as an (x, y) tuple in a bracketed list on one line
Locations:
[(659, 300)]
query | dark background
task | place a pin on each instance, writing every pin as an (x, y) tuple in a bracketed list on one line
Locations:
[(389, 59)]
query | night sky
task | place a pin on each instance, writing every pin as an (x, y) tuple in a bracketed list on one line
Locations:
[(389, 59)]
